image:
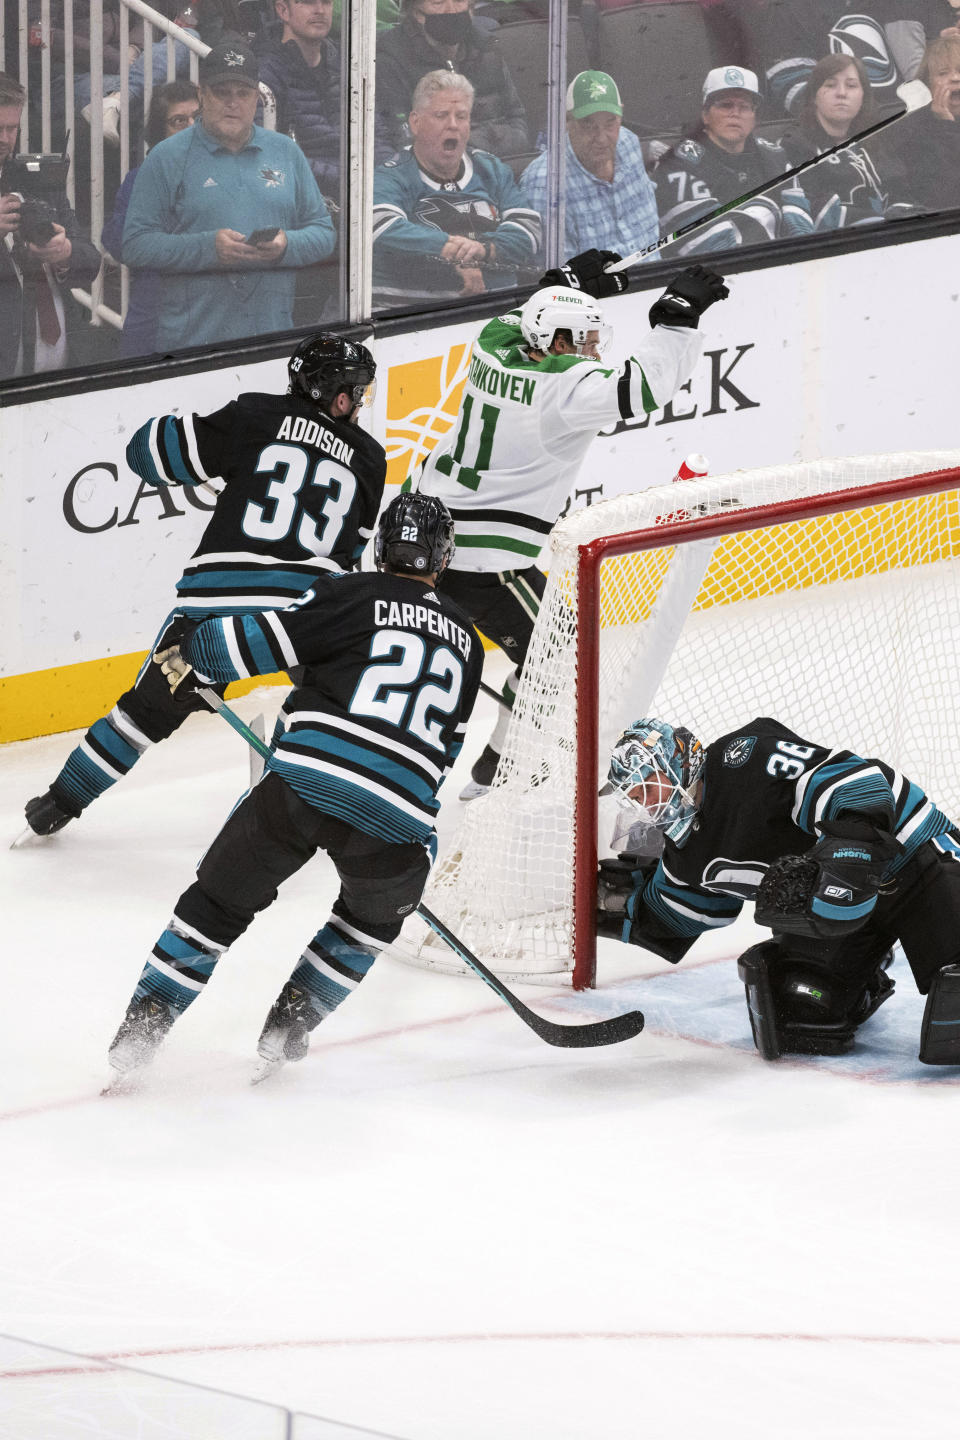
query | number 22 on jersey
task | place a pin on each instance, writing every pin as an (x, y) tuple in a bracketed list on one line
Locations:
[(384, 691)]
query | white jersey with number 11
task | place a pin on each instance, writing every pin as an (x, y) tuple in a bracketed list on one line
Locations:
[(510, 461)]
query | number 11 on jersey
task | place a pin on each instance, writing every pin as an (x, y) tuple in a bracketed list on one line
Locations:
[(470, 475)]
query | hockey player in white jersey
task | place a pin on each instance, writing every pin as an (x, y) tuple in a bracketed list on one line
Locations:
[(537, 393)]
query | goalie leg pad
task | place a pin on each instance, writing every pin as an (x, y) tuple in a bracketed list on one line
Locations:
[(753, 969), (940, 1031), (798, 1009), (818, 1015)]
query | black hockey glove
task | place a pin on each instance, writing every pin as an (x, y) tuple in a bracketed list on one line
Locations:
[(685, 298), (832, 889), (617, 880), (585, 272)]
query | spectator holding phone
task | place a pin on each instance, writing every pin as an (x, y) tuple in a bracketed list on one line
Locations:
[(205, 203)]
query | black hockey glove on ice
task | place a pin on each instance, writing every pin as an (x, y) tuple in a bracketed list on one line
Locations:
[(832, 889), (685, 298), (585, 272), (617, 880)]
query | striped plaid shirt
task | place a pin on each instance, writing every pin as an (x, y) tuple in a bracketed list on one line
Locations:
[(618, 214)]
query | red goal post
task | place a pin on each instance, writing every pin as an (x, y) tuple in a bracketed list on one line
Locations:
[(825, 593)]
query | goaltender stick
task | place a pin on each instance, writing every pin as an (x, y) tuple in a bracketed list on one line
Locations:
[(844, 856), (537, 393)]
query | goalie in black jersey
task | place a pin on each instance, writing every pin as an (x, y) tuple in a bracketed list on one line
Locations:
[(391, 673), (302, 486), (844, 857)]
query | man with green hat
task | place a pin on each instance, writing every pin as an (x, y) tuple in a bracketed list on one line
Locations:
[(610, 201)]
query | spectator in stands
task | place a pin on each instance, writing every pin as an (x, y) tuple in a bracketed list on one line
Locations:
[(721, 160), (36, 274), (610, 201), (220, 20), (302, 68), (923, 150), (173, 107), (434, 34), (785, 40), (182, 16), (911, 25), (227, 211), (447, 221), (846, 190)]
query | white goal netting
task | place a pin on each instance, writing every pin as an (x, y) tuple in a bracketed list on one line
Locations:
[(846, 627)]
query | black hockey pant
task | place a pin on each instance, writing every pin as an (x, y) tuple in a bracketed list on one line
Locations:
[(270, 835), (503, 605)]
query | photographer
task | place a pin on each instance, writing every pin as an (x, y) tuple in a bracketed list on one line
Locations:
[(43, 254)]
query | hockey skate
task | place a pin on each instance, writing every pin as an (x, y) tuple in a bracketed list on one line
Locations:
[(45, 816), (285, 1035), (141, 1032), (482, 772)]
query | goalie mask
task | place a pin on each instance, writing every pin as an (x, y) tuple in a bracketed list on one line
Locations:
[(556, 308), (324, 365), (654, 769), (415, 535)]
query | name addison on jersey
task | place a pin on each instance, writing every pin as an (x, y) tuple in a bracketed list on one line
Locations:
[(397, 615), (308, 432)]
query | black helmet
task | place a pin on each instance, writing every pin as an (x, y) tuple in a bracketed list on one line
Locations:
[(324, 364), (415, 534)]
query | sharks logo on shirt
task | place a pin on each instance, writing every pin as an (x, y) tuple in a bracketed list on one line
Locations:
[(738, 751)]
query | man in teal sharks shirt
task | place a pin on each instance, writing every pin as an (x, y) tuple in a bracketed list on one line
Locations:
[(228, 212)]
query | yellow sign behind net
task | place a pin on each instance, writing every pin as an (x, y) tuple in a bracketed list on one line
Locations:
[(781, 559)]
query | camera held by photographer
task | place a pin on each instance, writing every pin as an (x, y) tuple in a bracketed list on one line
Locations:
[(43, 252)]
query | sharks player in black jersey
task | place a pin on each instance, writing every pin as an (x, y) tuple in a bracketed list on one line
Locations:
[(302, 485), (844, 856), (391, 673)]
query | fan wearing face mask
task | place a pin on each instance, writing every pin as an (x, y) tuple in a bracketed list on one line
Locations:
[(437, 35)]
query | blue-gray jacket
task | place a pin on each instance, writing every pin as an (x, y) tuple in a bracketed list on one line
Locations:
[(190, 187)]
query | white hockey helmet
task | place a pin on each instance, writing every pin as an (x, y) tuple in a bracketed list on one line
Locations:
[(556, 308)]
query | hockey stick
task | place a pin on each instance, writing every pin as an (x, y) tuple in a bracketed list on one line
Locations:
[(598, 1032), (494, 695), (914, 95)]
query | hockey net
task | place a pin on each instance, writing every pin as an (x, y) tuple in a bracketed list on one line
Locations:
[(825, 594)]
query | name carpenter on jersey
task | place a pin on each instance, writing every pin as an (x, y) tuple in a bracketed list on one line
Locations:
[(399, 615), (295, 427)]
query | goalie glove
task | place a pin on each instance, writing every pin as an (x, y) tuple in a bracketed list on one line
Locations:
[(831, 890), (685, 298), (586, 272), (622, 914), (617, 881)]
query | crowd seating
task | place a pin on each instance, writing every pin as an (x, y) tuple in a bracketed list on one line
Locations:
[(656, 51)]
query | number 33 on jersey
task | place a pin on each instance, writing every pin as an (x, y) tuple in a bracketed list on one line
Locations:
[(301, 495)]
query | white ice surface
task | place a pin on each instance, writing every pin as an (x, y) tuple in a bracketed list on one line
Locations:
[(438, 1226)]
